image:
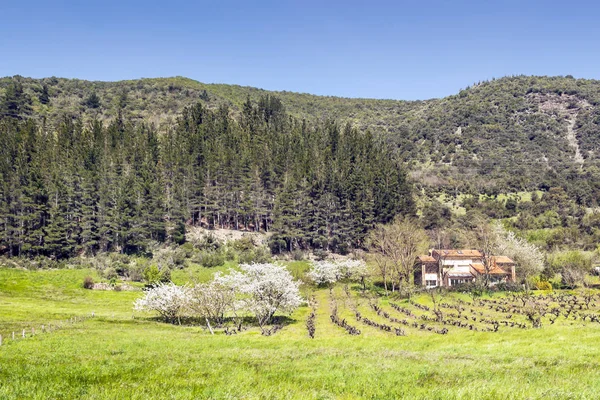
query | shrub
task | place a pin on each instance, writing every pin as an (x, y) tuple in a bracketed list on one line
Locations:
[(153, 275), (88, 282), (571, 278), (169, 257), (320, 255), (120, 268), (509, 287), (543, 285), (136, 269), (188, 249), (110, 274), (208, 242), (258, 255), (298, 255), (212, 259), (246, 243), (277, 245)]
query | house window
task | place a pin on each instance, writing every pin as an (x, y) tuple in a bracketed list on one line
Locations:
[(455, 281), (431, 283)]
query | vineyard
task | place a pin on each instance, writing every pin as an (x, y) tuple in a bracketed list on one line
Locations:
[(435, 313)]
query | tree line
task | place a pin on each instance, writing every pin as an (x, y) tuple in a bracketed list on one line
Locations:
[(89, 187)]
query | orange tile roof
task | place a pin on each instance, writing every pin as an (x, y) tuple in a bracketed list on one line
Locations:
[(457, 253), (494, 271), (426, 259)]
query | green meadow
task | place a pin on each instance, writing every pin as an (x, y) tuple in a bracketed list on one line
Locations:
[(120, 354)]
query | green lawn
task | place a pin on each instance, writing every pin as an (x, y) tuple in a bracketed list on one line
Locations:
[(115, 356)]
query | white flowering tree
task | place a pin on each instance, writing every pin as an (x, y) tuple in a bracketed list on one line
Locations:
[(356, 270), (329, 272), (324, 272), (167, 299), (211, 301), (263, 290), (529, 259)]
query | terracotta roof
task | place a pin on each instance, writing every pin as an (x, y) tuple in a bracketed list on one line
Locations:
[(426, 259), (457, 253), (502, 260), (480, 268)]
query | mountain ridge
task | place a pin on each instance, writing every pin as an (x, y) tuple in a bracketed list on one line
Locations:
[(509, 134)]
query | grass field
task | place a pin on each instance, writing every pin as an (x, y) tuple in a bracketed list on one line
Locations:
[(115, 356)]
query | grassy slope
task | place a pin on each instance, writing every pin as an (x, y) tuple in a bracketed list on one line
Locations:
[(114, 356)]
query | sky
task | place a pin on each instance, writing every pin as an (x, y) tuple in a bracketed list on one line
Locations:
[(403, 50)]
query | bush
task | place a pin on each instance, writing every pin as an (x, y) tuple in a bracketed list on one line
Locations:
[(121, 269), (246, 243), (571, 278), (212, 259), (188, 249), (259, 255), (320, 255), (136, 269), (110, 274), (153, 275), (208, 242), (297, 255), (88, 282), (169, 257), (509, 287), (277, 245), (543, 285)]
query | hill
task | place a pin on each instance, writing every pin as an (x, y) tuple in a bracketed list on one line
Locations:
[(505, 135)]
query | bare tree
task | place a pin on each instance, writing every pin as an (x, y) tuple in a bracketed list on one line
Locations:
[(395, 248), (486, 239), (377, 242)]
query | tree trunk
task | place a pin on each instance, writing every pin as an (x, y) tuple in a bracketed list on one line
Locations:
[(209, 327), (385, 284)]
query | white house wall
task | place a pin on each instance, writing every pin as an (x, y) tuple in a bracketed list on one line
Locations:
[(457, 262), (459, 269)]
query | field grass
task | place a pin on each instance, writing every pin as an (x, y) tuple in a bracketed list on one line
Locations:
[(114, 356)]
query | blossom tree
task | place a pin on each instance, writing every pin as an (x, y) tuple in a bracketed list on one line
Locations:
[(263, 289), (167, 299), (211, 301), (356, 270), (324, 272), (329, 272), (527, 256), (352, 269)]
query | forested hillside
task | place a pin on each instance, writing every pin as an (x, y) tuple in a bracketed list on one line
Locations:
[(103, 166), (506, 135), (85, 186)]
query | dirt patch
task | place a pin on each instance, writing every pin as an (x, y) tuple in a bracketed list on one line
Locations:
[(226, 235)]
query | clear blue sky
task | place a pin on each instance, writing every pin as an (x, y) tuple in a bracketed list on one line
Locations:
[(384, 49)]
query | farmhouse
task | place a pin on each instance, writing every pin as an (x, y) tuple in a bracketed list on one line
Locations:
[(453, 267)]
